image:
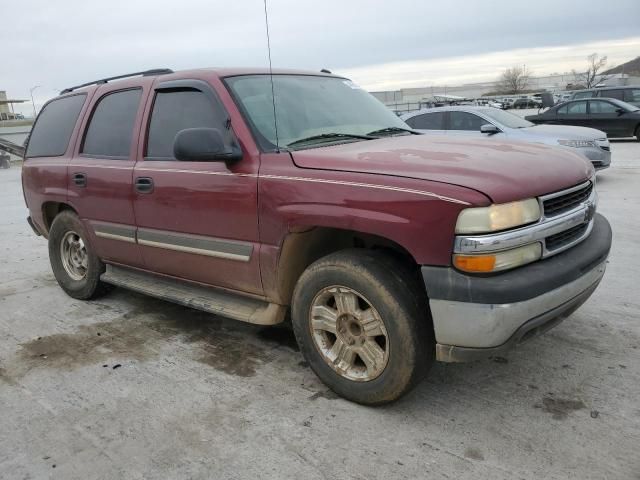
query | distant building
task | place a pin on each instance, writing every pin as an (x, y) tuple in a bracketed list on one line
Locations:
[(550, 83)]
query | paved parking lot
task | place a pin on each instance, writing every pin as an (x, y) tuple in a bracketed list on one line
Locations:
[(132, 387)]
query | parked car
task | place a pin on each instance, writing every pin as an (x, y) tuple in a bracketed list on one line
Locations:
[(614, 117), (390, 250), (526, 103), (486, 122), (629, 94)]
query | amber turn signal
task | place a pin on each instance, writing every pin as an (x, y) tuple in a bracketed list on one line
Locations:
[(475, 263)]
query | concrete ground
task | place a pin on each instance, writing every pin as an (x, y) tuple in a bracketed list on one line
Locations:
[(132, 387)]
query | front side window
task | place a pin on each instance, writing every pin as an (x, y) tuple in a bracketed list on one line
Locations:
[(52, 131), (600, 106), (465, 121), (427, 121), (175, 110), (308, 106), (110, 129)]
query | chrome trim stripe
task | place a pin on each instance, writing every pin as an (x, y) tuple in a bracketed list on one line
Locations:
[(114, 231), (111, 236), (313, 180), (200, 245)]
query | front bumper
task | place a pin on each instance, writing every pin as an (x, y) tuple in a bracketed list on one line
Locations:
[(477, 317), (599, 157)]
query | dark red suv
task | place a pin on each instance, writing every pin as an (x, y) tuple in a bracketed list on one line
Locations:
[(389, 248)]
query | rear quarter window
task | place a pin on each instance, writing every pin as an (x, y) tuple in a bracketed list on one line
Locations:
[(52, 131)]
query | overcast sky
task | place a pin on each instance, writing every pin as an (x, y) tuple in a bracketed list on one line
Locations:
[(380, 44)]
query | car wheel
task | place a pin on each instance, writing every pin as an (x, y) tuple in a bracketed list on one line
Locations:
[(74, 263), (362, 323), (638, 133)]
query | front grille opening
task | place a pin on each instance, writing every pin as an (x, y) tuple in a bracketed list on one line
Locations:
[(553, 242), (566, 202)]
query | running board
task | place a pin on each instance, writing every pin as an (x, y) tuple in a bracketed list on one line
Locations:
[(218, 302)]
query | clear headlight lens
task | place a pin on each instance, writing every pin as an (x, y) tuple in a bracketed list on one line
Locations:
[(577, 143), (498, 217), (495, 262)]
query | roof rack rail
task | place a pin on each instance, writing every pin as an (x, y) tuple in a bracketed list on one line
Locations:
[(146, 73)]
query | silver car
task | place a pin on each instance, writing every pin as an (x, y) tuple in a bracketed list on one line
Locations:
[(489, 122)]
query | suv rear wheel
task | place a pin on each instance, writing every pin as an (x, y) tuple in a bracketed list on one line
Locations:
[(75, 266), (362, 324)]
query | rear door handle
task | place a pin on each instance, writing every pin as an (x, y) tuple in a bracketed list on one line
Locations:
[(80, 179), (144, 185)]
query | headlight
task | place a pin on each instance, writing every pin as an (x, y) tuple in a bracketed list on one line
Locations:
[(495, 262), (577, 143), (498, 217)]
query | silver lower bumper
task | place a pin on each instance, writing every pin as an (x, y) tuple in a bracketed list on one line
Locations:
[(466, 330)]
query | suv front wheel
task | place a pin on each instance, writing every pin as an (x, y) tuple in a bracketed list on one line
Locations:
[(75, 265), (361, 321)]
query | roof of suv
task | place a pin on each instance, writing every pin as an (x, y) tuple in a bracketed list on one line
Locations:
[(218, 72)]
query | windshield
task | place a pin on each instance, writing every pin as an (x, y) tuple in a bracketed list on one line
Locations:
[(507, 119), (309, 106)]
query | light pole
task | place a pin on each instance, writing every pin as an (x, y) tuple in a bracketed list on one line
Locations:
[(32, 102)]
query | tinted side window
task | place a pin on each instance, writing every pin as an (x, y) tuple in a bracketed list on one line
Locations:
[(577, 108), (619, 94), (563, 110), (632, 95), (175, 110), (600, 106), (427, 121), (111, 127), (52, 131), (465, 121)]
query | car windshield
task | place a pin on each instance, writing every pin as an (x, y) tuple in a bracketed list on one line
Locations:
[(507, 119), (318, 108)]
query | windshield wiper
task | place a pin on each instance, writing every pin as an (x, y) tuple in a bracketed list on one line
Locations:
[(329, 136), (391, 130)]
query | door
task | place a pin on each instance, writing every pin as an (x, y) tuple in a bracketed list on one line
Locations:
[(428, 123), (196, 220), (465, 124), (603, 115), (573, 113), (100, 173)]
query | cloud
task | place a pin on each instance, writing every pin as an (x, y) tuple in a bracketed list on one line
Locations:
[(487, 67), (65, 42)]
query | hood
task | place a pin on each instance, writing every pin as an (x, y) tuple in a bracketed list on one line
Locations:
[(563, 132), (504, 171)]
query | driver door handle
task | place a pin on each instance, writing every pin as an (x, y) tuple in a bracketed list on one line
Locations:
[(144, 184)]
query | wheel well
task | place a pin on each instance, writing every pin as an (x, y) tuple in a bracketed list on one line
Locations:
[(301, 249), (51, 209)]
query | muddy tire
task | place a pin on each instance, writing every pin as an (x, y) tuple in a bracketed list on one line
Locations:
[(361, 320), (75, 265)]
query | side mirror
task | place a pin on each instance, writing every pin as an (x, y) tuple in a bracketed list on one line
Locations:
[(203, 144), (489, 129), (621, 111)]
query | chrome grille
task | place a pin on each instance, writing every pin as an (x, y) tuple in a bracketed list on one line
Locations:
[(559, 240), (564, 202)]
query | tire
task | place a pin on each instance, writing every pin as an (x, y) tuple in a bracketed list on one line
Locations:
[(638, 133), (386, 292), (5, 163), (79, 274)]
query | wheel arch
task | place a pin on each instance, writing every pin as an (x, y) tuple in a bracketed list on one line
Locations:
[(50, 210), (300, 249)]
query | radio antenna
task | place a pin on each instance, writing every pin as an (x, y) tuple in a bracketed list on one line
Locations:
[(273, 95)]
